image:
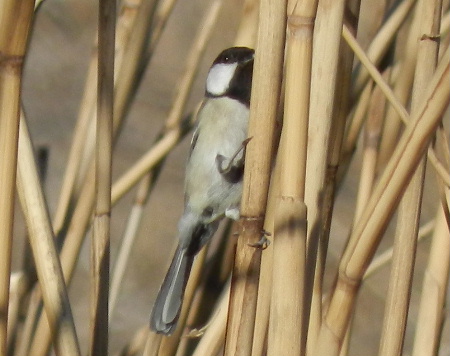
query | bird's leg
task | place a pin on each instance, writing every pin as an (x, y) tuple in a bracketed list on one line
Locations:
[(263, 242), (232, 162)]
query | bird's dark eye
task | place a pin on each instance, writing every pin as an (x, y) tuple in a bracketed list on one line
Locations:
[(226, 59)]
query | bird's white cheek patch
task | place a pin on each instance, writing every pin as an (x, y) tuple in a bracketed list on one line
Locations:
[(219, 78)]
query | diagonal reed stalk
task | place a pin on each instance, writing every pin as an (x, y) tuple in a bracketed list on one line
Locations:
[(15, 23), (266, 90), (48, 266), (367, 232), (100, 244)]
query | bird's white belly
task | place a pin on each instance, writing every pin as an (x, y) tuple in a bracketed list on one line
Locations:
[(222, 129)]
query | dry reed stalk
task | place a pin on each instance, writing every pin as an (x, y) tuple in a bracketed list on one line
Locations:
[(17, 290), (15, 22), (393, 100), (23, 344), (127, 241), (136, 346), (174, 129), (266, 90), (288, 308), (355, 123), (366, 234), (83, 209), (324, 72), (434, 289), (81, 151), (51, 280), (372, 132), (100, 242), (398, 297), (265, 284), (246, 34), (385, 257), (401, 89), (369, 25), (152, 344), (214, 335), (172, 123), (341, 111), (381, 42)]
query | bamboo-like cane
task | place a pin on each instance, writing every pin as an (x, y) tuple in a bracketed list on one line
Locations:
[(100, 244), (434, 289), (266, 90), (366, 235), (15, 22), (288, 308), (398, 297), (323, 86), (51, 280)]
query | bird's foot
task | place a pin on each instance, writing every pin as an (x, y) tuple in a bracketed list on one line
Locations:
[(263, 242)]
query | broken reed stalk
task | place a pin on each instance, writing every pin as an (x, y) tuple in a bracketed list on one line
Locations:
[(15, 22), (368, 231), (40, 233), (398, 297), (266, 89), (434, 289), (100, 243), (288, 307), (322, 83)]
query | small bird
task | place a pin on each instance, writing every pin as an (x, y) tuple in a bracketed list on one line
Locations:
[(214, 172)]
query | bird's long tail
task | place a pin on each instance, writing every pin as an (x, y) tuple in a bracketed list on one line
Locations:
[(167, 307)]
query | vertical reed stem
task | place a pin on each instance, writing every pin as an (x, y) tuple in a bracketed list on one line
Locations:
[(103, 163), (398, 297), (266, 90), (15, 22)]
